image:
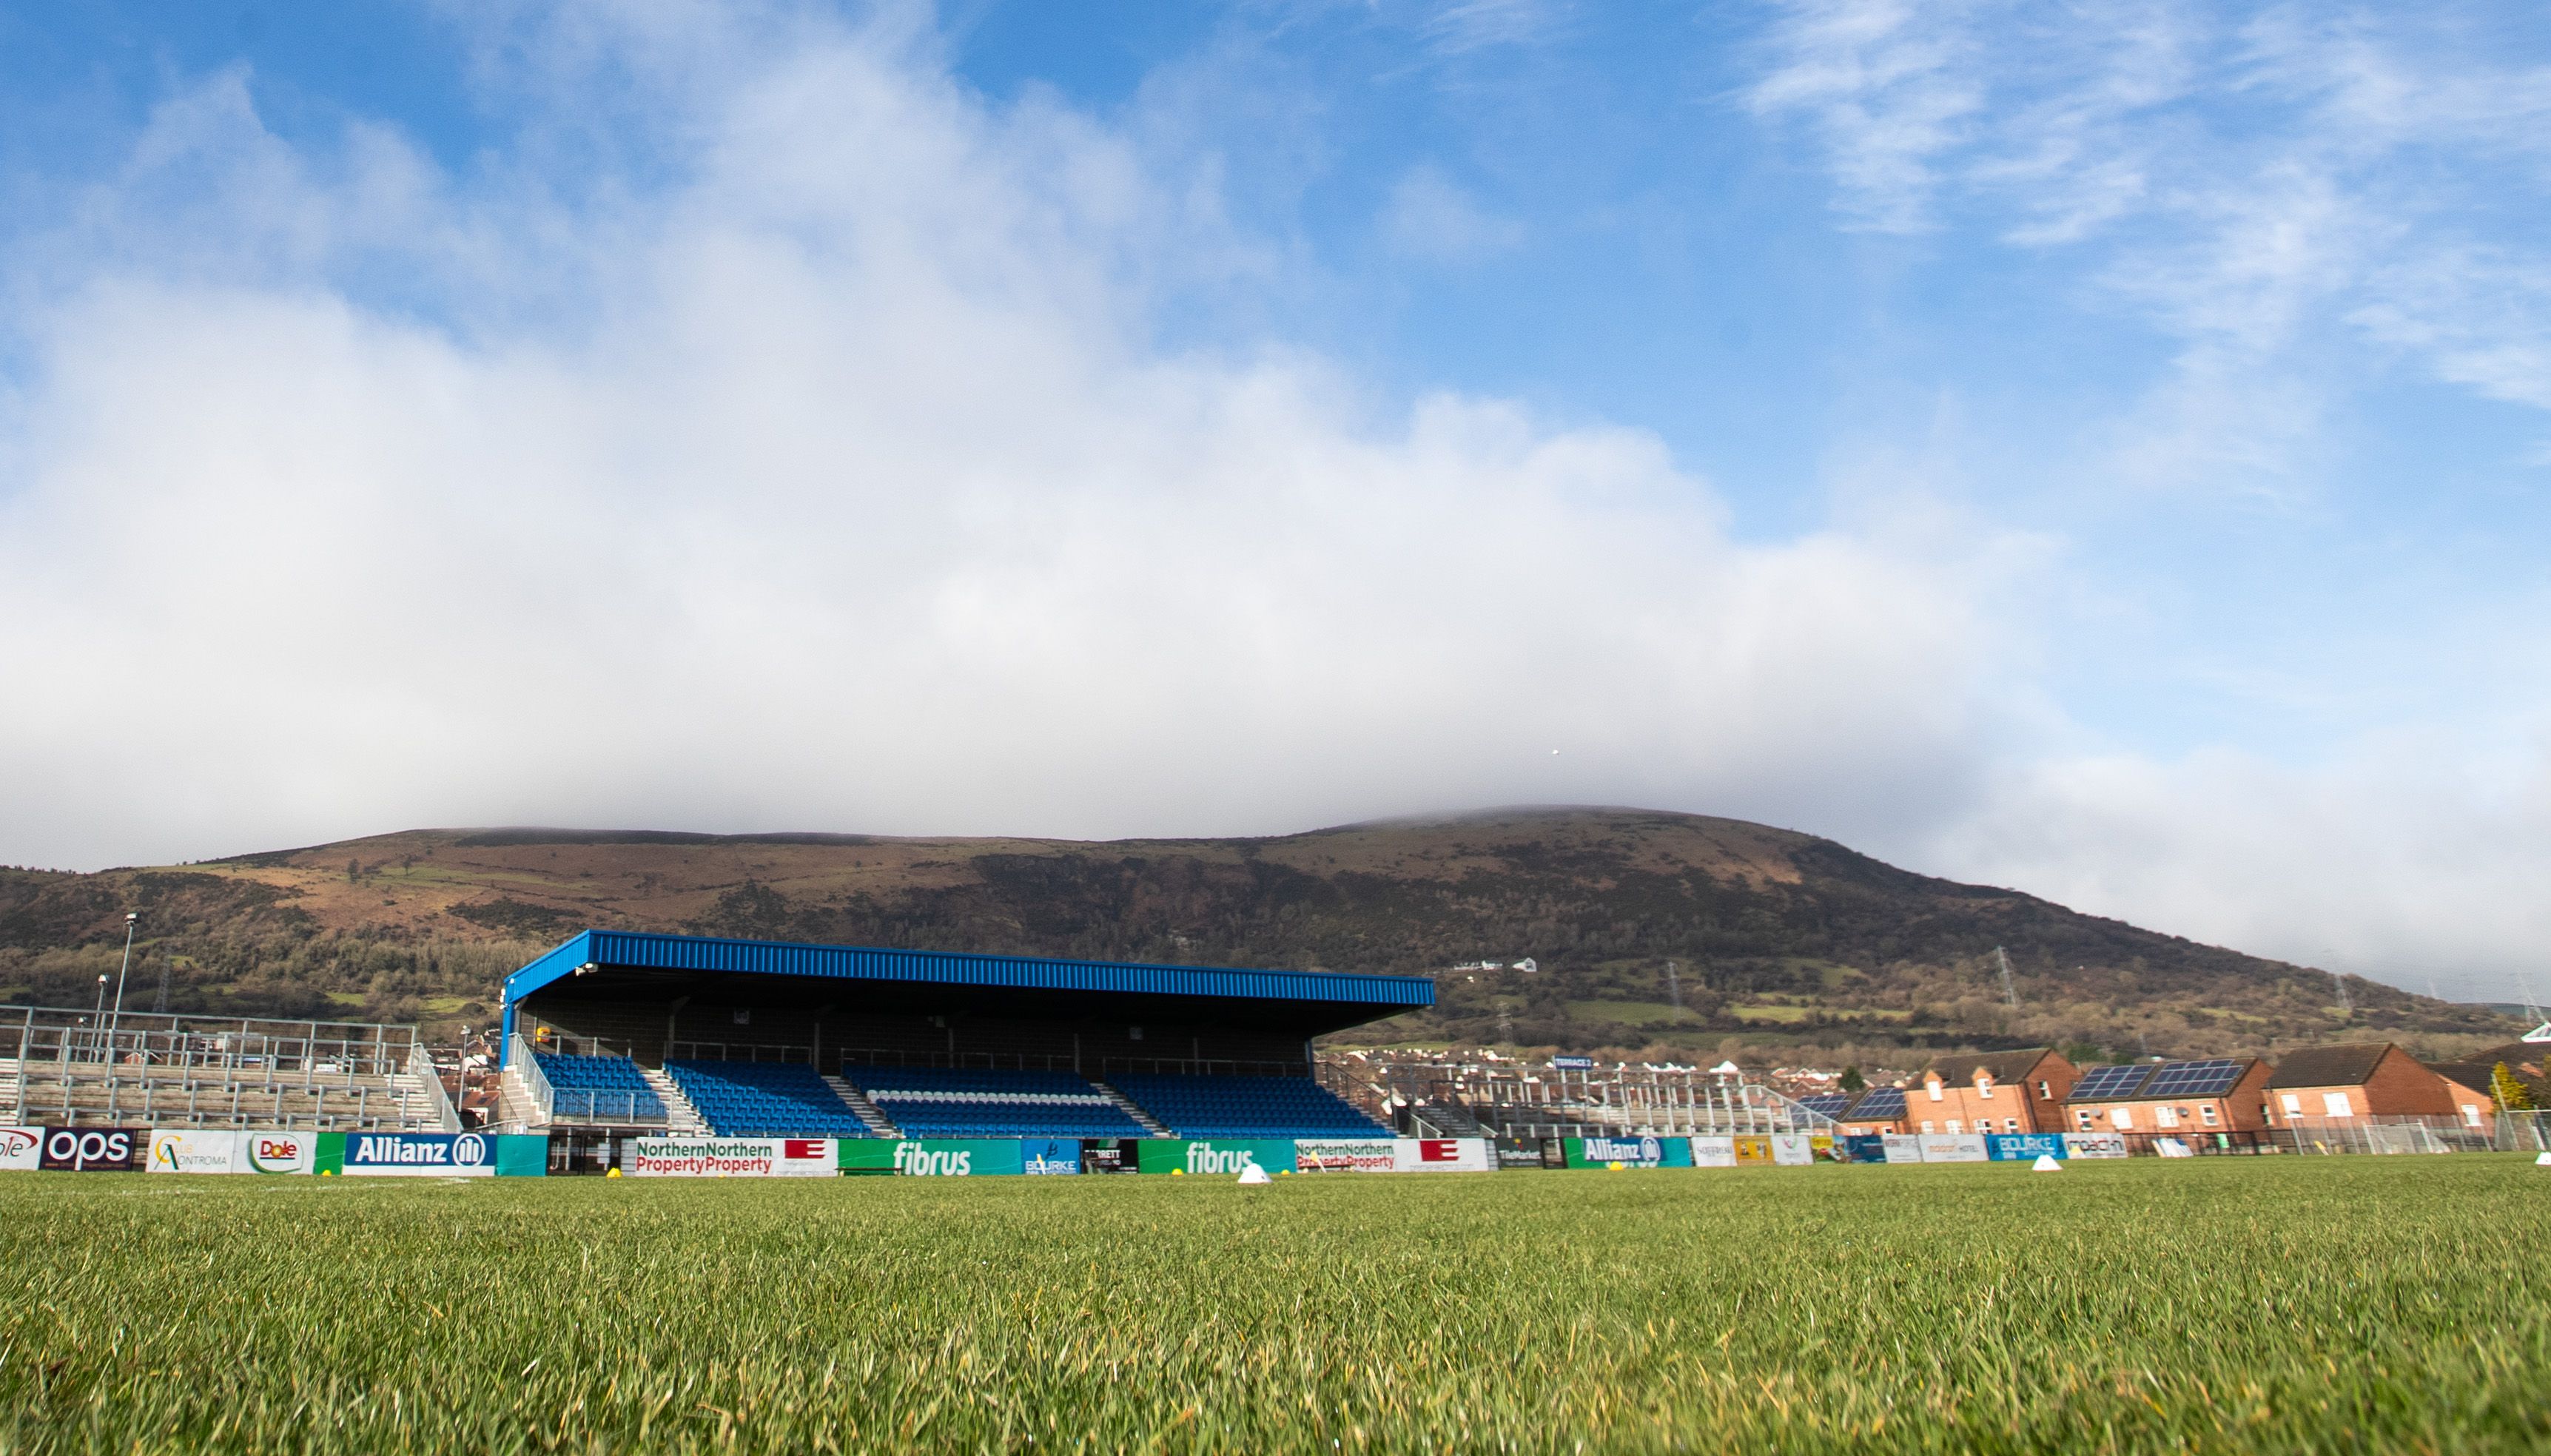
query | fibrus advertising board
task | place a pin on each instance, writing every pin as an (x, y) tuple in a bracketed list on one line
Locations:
[(419, 1155), (1206, 1157), (95, 1150), (1345, 1155), (1629, 1152), (2095, 1144), (1953, 1148), (727, 1157), (941, 1157), (21, 1149), (1048, 1155), (1793, 1149), (1902, 1148), (1441, 1155), (2023, 1147)]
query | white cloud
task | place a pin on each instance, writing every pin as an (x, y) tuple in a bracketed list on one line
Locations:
[(1430, 218), (834, 486)]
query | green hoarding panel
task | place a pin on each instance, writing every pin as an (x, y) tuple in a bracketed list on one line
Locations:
[(1214, 1156), (330, 1155), (522, 1155), (932, 1157), (867, 1155)]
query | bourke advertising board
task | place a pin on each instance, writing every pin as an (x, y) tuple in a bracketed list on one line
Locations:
[(728, 1157)]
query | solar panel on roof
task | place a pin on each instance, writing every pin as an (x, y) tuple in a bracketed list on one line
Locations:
[(1881, 1101), (1829, 1105), (2210, 1078), (2105, 1082)]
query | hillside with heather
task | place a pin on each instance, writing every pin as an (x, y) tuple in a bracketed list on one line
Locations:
[(1655, 934)]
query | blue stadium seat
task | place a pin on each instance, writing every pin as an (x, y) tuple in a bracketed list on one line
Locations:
[(1244, 1106), (598, 1088), (951, 1102), (765, 1100)]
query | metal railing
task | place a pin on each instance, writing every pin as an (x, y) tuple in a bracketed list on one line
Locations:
[(438, 1101), (553, 1105)]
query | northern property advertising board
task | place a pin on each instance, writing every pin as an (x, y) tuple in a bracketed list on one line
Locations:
[(728, 1157)]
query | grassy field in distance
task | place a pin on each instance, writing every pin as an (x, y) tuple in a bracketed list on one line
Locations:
[(2224, 1305)]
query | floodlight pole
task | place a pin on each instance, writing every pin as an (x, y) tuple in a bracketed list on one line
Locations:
[(132, 918)]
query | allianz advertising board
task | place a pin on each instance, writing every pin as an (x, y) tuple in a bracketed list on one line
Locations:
[(1629, 1152), (419, 1155)]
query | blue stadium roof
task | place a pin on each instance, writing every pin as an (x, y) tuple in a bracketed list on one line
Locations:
[(633, 949)]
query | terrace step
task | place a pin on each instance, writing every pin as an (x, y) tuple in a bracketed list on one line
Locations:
[(681, 1117), (1148, 1124), (858, 1102)]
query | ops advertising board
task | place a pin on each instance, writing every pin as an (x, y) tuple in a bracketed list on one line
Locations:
[(2095, 1144), (95, 1150), (1953, 1148), (1441, 1155), (21, 1149), (727, 1157), (419, 1155)]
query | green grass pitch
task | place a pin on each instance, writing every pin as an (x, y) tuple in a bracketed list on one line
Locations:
[(2373, 1305)]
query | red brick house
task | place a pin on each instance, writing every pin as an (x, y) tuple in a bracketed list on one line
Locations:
[(2172, 1098), (1992, 1092), (2373, 1079)]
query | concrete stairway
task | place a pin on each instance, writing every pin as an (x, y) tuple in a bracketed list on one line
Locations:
[(858, 1102), (1148, 1124), (681, 1119)]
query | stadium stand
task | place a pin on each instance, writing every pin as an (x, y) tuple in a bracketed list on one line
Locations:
[(765, 1100), (1244, 1106), (598, 1088), (971, 1101)]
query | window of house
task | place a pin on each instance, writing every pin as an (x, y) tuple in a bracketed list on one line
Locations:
[(1934, 1086), (1983, 1087), (2335, 1105), (2166, 1117), (2209, 1114), (1926, 1125), (2010, 1125), (2121, 1119), (2471, 1114), (1957, 1127), (2294, 1105), (2088, 1121), (2045, 1090)]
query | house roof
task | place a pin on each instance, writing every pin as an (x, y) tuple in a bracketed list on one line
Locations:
[(2329, 1066), (2475, 1075), (2005, 1066)]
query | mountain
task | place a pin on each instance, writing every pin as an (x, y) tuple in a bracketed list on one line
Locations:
[(1667, 934)]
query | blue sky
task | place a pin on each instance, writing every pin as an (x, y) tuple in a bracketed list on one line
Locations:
[(2101, 448)]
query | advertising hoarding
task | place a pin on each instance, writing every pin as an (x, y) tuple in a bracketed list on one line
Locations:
[(419, 1155), (1861, 1147), (1525, 1153), (959, 1158), (1793, 1149), (95, 1150), (1215, 1155), (2023, 1147), (1345, 1155), (1902, 1148), (1714, 1151), (726, 1157), (1110, 1155), (1049, 1156), (21, 1149), (1752, 1149), (1441, 1155), (1630, 1152), (2095, 1144), (1953, 1148), (191, 1150)]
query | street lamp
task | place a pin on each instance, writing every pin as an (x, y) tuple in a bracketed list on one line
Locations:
[(132, 918)]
